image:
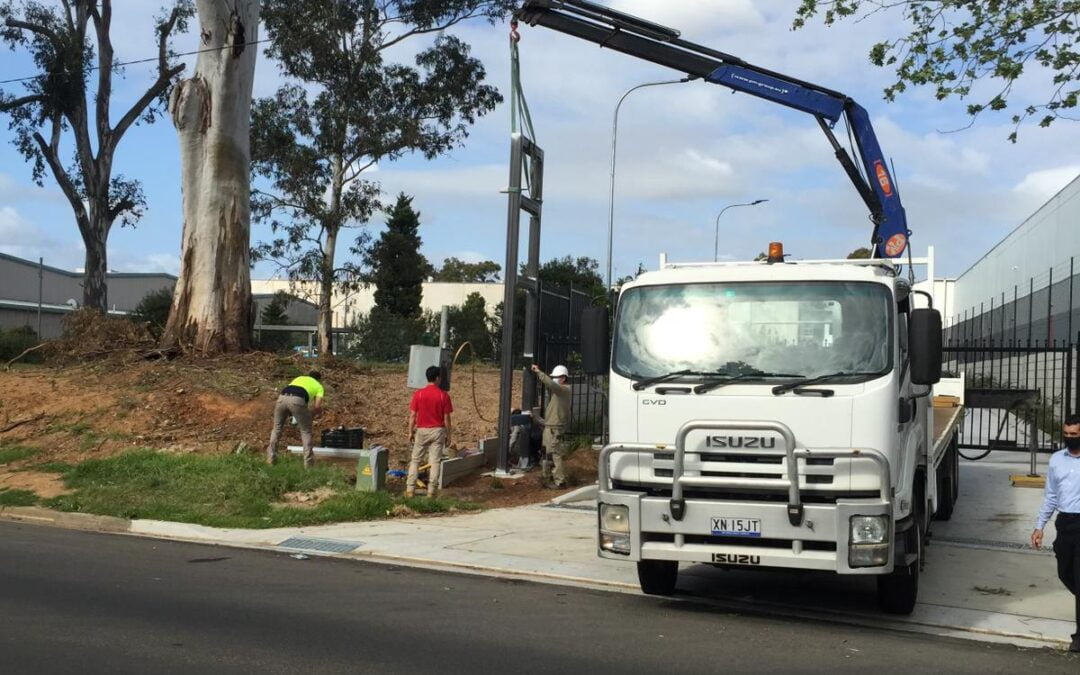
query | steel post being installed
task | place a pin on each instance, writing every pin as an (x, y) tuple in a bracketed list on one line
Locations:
[(520, 148), (532, 272)]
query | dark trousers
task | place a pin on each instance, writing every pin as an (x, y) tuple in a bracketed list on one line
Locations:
[(1067, 550)]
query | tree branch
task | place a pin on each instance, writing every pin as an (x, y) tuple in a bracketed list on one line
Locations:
[(19, 102), (36, 28), (102, 19), (61, 176), (165, 76)]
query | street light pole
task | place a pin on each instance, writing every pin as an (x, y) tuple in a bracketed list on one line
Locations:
[(611, 190), (716, 243)]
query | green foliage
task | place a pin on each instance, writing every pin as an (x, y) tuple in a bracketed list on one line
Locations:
[(348, 109), (274, 314), (382, 336), (17, 498), (398, 269), (13, 453), (222, 491), (954, 44), (582, 273), (153, 309), (470, 323), (459, 271), (63, 121), (15, 341), (861, 253)]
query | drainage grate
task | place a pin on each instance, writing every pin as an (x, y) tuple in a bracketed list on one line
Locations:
[(989, 543), (320, 545)]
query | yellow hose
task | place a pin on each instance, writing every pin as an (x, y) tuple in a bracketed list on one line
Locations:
[(453, 363)]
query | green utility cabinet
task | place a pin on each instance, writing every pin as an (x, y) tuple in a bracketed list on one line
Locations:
[(371, 469)]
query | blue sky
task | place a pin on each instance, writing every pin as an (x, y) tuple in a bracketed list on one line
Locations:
[(685, 152)]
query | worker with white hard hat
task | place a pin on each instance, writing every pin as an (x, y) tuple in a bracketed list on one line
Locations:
[(556, 417)]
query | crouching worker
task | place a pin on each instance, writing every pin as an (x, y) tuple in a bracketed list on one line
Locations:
[(429, 431), (556, 417), (302, 399)]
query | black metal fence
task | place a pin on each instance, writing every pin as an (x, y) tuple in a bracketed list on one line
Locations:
[(1043, 307), (1017, 392), (559, 342)]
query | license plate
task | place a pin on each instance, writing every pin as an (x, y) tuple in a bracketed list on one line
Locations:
[(736, 527)]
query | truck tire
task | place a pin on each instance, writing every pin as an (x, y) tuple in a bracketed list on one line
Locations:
[(657, 577), (897, 592), (947, 483)]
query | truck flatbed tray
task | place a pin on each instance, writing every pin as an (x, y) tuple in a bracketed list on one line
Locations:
[(945, 421)]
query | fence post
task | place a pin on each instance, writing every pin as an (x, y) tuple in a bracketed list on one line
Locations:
[(1050, 306)]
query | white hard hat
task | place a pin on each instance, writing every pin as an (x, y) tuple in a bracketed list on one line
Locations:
[(560, 371)]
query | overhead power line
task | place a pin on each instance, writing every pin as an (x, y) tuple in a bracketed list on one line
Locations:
[(136, 61)]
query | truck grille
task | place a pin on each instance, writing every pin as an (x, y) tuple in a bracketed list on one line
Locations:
[(745, 542), (743, 465)]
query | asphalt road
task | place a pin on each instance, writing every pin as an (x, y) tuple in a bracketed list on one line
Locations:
[(81, 602)]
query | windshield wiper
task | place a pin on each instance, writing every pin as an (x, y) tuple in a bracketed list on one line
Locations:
[(641, 384), (714, 384), (798, 384)]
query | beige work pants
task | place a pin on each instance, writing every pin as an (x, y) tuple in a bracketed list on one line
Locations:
[(297, 407), (431, 441), (555, 445)]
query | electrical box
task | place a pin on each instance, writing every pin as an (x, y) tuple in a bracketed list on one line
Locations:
[(421, 357), (371, 469)]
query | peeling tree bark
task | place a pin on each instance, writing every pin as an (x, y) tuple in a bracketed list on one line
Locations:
[(211, 310)]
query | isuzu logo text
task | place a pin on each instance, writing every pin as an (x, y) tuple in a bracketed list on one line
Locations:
[(740, 442), (736, 559)]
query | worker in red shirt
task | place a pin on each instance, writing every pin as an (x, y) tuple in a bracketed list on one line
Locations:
[(429, 429)]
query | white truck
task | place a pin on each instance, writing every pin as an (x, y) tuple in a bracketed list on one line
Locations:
[(774, 414)]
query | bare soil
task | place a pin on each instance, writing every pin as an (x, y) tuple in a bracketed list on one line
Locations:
[(101, 408)]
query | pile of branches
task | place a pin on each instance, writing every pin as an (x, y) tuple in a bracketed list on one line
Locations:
[(89, 334)]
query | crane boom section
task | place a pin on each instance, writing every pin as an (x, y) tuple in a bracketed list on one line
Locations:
[(661, 45)]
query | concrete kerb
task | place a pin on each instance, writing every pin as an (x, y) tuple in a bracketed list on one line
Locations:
[(72, 521), (954, 624)]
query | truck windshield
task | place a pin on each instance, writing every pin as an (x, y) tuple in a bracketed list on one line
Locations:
[(808, 328)]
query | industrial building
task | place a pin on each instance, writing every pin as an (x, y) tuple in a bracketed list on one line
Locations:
[(39, 296), (1025, 287)]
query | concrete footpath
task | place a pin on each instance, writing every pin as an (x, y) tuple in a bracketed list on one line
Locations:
[(981, 580)]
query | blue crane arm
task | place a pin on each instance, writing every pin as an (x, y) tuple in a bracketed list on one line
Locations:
[(659, 44)]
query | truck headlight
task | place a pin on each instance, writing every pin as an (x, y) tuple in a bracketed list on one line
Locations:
[(615, 518), (869, 529)]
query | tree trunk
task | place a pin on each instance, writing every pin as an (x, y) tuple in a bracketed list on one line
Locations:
[(326, 293), (326, 274), (211, 310), (95, 290)]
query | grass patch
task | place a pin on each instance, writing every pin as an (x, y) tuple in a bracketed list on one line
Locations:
[(53, 467), (17, 498), (13, 453), (223, 491)]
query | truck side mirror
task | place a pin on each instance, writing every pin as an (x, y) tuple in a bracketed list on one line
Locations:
[(594, 340), (924, 342)]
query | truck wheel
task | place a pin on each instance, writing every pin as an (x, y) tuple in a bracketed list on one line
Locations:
[(897, 592), (657, 577), (947, 484)]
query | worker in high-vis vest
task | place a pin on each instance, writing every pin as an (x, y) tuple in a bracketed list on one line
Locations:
[(302, 398), (556, 418)]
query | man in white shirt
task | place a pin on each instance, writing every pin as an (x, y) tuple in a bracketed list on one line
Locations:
[(1063, 495)]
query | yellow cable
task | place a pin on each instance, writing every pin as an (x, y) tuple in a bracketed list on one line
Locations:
[(453, 363)]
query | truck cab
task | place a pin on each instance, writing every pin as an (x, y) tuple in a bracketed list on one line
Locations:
[(771, 414)]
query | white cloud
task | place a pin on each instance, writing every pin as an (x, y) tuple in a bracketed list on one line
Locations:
[(1046, 183)]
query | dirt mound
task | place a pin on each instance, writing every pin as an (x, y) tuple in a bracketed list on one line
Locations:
[(100, 408)]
